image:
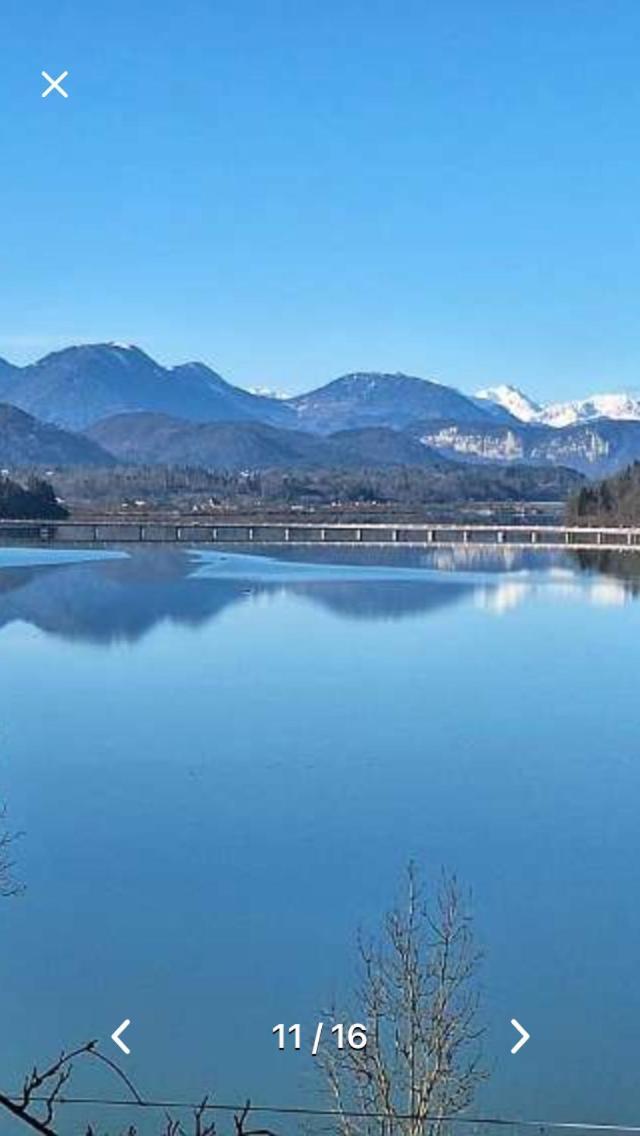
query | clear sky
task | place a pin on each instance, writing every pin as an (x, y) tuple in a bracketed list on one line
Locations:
[(292, 189)]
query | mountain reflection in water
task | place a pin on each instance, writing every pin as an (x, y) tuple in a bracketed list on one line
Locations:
[(124, 597)]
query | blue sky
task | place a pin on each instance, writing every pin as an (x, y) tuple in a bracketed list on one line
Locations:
[(292, 189)]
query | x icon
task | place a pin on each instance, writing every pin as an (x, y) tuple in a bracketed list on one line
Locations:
[(54, 84)]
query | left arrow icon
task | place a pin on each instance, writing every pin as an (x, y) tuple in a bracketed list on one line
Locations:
[(115, 1036)]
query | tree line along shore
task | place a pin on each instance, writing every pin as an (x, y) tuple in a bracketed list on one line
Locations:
[(392, 491)]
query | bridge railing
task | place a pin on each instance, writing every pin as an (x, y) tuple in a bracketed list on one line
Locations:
[(114, 531)]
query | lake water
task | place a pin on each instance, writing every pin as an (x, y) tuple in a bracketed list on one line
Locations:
[(221, 764)]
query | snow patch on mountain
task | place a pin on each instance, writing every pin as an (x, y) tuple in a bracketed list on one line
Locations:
[(513, 400), (621, 407), (267, 392)]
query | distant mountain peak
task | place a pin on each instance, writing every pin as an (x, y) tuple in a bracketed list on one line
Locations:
[(78, 385), (198, 371), (104, 351), (512, 399), (386, 378), (379, 398), (621, 407)]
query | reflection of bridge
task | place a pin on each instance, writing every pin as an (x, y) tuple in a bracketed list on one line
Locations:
[(306, 533)]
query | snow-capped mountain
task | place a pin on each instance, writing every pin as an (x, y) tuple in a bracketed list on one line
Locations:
[(621, 407), (511, 399)]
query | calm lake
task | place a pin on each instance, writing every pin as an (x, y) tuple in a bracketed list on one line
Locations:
[(221, 764)]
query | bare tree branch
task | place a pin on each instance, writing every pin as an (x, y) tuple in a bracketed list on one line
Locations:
[(8, 884), (240, 1120), (42, 1092)]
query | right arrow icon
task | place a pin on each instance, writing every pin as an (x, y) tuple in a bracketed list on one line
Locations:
[(524, 1035)]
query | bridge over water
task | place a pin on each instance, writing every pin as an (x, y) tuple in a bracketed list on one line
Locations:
[(221, 533)]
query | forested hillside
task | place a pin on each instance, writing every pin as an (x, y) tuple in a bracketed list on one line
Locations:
[(613, 501), (194, 488), (36, 499)]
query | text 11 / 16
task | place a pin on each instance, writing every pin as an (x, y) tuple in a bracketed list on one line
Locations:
[(354, 1036)]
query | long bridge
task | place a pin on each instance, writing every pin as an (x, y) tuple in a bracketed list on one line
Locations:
[(221, 533)]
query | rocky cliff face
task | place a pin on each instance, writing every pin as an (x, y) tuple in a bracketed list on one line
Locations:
[(595, 448)]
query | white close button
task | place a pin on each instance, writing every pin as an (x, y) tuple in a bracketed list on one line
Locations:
[(54, 84)]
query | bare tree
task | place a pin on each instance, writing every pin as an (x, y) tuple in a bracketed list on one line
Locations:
[(418, 995)]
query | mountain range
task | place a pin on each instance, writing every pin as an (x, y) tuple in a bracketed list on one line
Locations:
[(156, 439), (78, 386), (624, 406), (99, 403)]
